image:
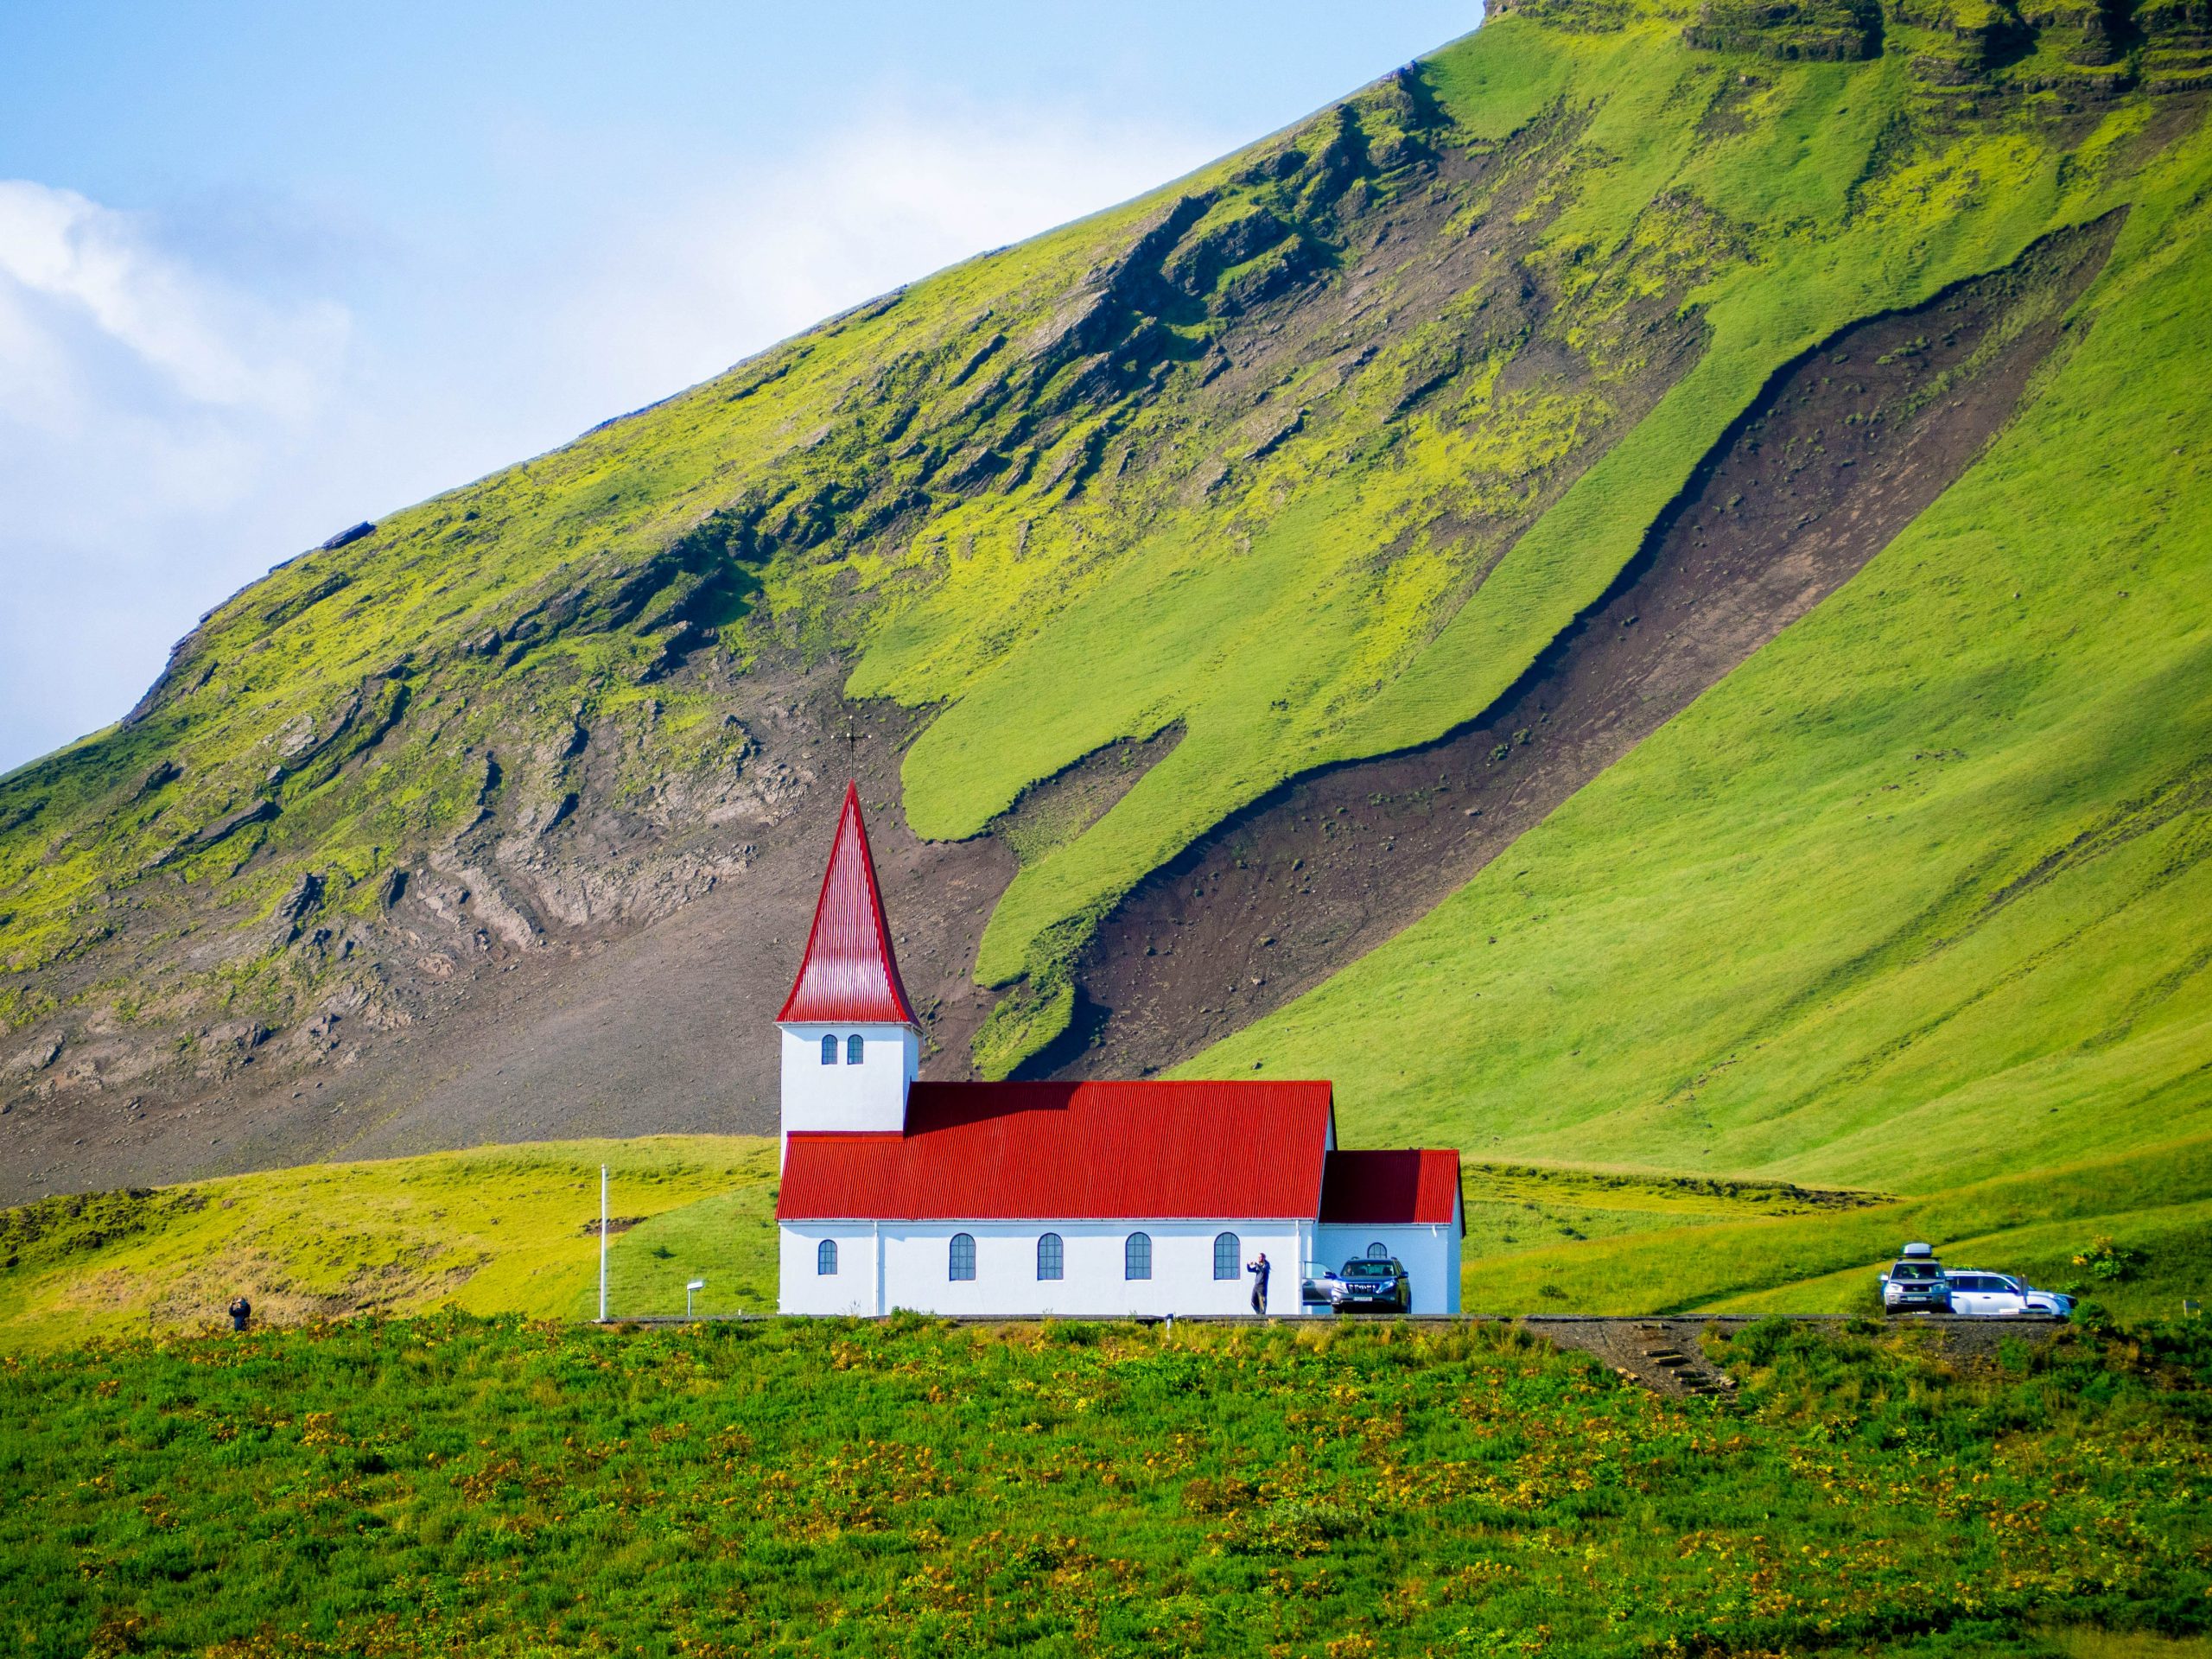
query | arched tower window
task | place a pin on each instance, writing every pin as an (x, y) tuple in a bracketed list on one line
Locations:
[(829, 1050), (1136, 1256), (1378, 1251), (853, 1046), (962, 1262), (825, 1257), (1225, 1252), (1050, 1254)]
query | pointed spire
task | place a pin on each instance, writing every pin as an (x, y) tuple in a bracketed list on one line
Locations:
[(849, 976)]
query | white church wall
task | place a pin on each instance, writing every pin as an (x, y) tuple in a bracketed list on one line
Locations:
[(802, 1288), (845, 1097), (1430, 1255), (916, 1260)]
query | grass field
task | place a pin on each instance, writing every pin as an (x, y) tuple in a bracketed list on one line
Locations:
[(512, 1230), (502, 1229), (440, 1485), (2156, 1204)]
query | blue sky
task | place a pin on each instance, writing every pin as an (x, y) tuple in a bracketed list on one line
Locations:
[(268, 270)]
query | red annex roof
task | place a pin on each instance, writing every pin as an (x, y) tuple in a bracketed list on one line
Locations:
[(1072, 1152), (849, 976), (1381, 1188)]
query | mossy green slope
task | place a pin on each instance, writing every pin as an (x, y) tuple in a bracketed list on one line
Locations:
[(1916, 896), (1812, 213), (1070, 491)]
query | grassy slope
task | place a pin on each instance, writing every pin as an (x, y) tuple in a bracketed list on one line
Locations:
[(544, 560), (505, 1230), (500, 1230), (2156, 1201), (1829, 232), (1916, 896), (1240, 595), (444, 1485)]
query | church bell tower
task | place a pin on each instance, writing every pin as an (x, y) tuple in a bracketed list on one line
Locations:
[(851, 1045)]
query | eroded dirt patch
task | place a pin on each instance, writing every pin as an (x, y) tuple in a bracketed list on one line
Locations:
[(1689, 1355), (1840, 451), (1055, 811)]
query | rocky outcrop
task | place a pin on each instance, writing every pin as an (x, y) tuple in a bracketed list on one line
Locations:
[(1819, 31), (348, 535), (301, 901)]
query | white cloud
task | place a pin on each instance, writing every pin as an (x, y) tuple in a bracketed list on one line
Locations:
[(167, 435), (212, 347), (746, 261), (149, 419)]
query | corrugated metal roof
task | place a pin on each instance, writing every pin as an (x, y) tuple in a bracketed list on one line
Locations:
[(1391, 1187), (848, 975), (1071, 1151)]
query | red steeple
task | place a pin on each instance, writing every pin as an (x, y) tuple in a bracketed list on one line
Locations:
[(849, 976)]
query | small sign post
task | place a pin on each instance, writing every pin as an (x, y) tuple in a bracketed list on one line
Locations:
[(697, 1284)]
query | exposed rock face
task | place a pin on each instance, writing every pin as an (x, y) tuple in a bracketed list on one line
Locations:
[(348, 535), (1821, 31), (293, 910)]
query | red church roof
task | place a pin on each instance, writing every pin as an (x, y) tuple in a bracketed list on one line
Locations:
[(1378, 1188), (1073, 1152), (849, 976)]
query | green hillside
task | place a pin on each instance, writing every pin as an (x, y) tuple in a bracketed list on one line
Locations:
[(512, 1231), (1915, 897), (2131, 1234), (1307, 458), (497, 1229)]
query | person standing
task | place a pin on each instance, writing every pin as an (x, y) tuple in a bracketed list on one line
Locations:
[(241, 1311), (1259, 1270)]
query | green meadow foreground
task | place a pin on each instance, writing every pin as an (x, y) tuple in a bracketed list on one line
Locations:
[(488, 1472), (455, 1484)]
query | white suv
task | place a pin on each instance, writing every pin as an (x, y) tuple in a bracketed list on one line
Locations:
[(1994, 1295)]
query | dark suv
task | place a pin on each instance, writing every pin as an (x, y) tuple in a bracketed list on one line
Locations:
[(1373, 1286), (1917, 1284)]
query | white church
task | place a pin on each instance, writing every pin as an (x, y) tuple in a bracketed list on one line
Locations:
[(1076, 1198)]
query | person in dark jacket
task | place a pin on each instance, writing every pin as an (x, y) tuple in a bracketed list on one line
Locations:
[(1259, 1270), (241, 1311)]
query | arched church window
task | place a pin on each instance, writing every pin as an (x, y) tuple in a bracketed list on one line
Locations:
[(1051, 1254), (853, 1049), (1225, 1252), (1378, 1251), (829, 1050), (1136, 1256), (962, 1263), (825, 1257)]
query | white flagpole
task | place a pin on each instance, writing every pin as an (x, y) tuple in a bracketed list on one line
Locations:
[(602, 1243)]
